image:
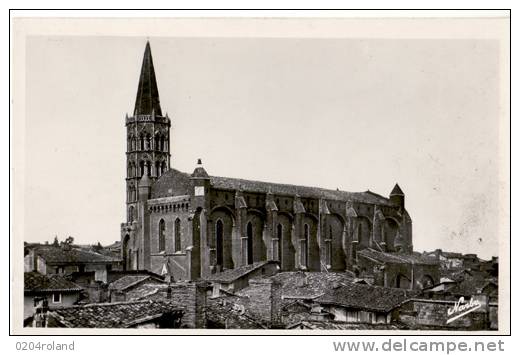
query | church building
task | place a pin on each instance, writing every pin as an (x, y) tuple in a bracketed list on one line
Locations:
[(193, 225)]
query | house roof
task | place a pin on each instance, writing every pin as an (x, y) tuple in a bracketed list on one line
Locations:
[(470, 286), (175, 183), (35, 282), (151, 292), (111, 315), (332, 325), (450, 254), (223, 311), (115, 245), (397, 258), (59, 255), (366, 297), (125, 282), (308, 285), (234, 274)]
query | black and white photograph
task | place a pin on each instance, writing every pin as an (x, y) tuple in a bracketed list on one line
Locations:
[(265, 175)]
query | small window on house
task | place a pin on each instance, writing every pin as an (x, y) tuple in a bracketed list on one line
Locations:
[(56, 297)]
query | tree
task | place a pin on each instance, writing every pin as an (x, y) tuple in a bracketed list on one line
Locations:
[(69, 240), (56, 243)]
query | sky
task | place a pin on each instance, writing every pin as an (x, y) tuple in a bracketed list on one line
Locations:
[(353, 114)]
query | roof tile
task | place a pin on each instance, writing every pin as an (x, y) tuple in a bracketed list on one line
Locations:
[(397, 258), (59, 255), (368, 297), (36, 282), (111, 315)]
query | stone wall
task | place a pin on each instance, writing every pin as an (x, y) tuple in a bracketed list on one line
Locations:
[(254, 207)]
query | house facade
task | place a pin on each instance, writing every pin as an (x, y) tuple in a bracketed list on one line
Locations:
[(66, 259), (53, 290)]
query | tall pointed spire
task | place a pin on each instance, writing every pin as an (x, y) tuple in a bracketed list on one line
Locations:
[(147, 100)]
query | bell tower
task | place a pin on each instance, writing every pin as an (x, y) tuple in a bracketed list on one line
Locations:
[(148, 136)]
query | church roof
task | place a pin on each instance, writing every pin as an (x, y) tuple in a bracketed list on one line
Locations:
[(302, 191), (147, 100), (171, 183), (175, 183)]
